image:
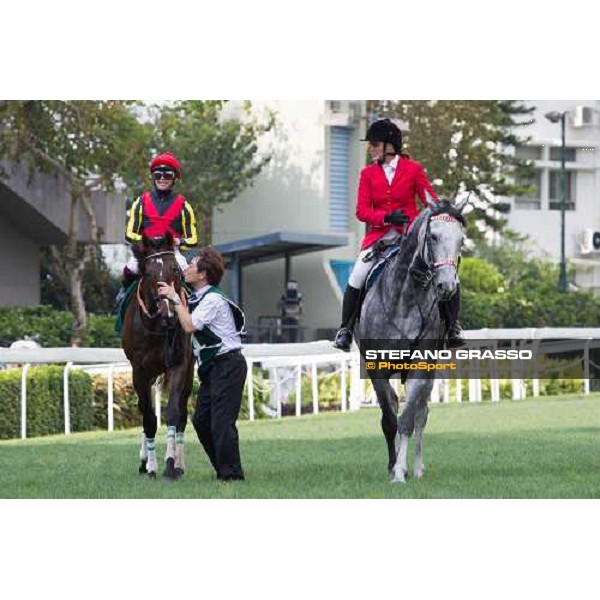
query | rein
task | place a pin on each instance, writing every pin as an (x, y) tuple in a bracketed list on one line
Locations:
[(422, 270), (140, 300), (162, 253)]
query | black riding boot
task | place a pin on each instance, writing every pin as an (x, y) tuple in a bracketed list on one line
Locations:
[(449, 310), (128, 278), (343, 338)]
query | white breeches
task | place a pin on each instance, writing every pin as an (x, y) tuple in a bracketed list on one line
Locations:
[(133, 266), (361, 269)]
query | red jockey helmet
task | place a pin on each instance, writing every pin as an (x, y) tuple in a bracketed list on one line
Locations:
[(166, 159)]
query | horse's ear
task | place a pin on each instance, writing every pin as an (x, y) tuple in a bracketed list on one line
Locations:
[(169, 239), (429, 199), (145, 241)]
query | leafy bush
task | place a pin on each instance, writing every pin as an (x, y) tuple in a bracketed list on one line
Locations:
[(125, 401), (504, 287), (101, 332), (54, 327), (45, 412)]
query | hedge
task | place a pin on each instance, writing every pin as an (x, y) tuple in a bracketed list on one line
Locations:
[(125, 401), (54, 327), (45, 404)]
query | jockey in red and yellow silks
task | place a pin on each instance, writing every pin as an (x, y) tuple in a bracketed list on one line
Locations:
[(159, 211), (386, 202)]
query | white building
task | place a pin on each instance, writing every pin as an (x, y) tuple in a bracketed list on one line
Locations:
[(538, 215), (309, 187)]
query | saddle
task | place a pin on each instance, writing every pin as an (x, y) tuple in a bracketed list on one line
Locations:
[(381, 254)]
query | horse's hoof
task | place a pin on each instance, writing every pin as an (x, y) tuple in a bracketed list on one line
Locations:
[(398, 478), (152, 475), (169, 474), (142, 469), (178, 472)]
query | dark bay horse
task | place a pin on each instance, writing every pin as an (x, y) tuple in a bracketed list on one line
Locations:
[(403, 305), (156, 345)]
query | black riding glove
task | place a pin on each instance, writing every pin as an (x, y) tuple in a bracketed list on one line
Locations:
[(396, 217)]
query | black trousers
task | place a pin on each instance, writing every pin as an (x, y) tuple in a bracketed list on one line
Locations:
[(217, 410)]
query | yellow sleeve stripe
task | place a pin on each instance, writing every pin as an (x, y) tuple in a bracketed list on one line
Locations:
[(132, 233), (189, 229)]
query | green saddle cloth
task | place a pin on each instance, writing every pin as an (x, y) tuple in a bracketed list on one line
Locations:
[(121, 308)]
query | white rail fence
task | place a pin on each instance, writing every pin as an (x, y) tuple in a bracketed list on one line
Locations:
[(308, 358)]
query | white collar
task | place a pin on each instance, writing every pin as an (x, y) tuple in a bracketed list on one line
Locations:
[(198, 294), (393, 164)]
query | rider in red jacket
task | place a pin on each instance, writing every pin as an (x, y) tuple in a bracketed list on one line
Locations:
[(386, 203)]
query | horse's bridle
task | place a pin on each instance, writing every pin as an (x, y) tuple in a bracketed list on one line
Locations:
[(424, 269), (141, 303)]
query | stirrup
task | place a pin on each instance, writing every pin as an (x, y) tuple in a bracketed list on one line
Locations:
[(343, 339)]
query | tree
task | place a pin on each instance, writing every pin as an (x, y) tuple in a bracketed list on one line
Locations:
[(93, 144), (99, 285), (506, 287), (219, 155), (466, 145)]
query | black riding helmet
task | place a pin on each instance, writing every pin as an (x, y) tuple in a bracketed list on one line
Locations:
[(387, 132)]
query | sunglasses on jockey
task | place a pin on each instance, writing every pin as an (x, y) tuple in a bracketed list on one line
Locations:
[(163, 174)]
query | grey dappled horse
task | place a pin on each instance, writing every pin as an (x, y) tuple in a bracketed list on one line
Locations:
[(403, 305)]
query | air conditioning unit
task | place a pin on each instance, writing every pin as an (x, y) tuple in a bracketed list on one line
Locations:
[(590, 241), (583, 116)]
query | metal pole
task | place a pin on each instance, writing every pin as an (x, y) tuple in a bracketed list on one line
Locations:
[(299, 390), (287, 272), (24, 401), (66, 399), (157, 398), (343, 381), (586, 367), (562, 281), (236, 278), (110, 401), (315, 388)]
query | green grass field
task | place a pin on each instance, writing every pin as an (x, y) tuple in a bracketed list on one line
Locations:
[(546, 448)]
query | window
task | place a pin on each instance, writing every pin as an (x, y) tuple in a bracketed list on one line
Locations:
[(532, 200), (335, 106), (339, 176), (528, 152), (555, 190), (570, 154)]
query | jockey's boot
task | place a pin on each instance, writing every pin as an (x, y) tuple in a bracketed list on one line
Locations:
[(450, 310), (343, 338)]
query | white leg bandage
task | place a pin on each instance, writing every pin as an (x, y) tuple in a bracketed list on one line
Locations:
[(151, 464)]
